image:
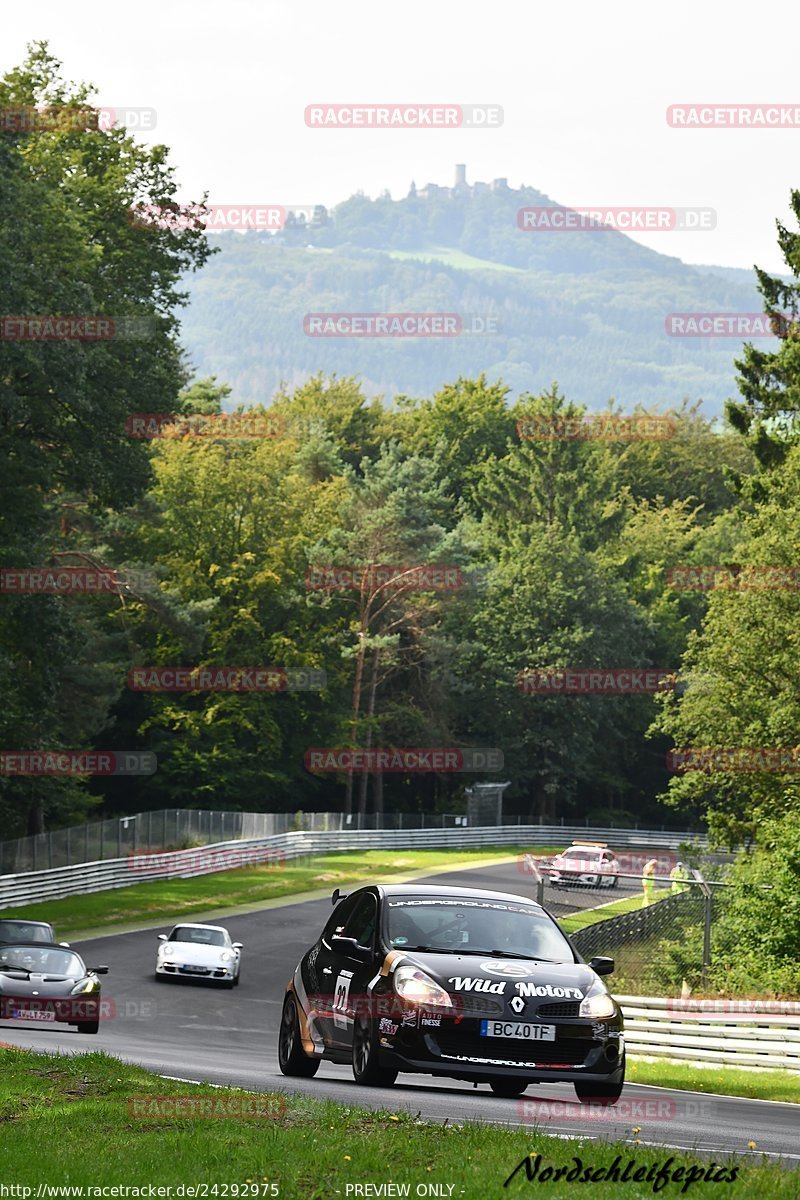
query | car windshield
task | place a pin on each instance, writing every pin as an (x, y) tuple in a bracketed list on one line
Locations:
[(200, 937), (582, 854), (24, 931), (475, 926), (41, 960)]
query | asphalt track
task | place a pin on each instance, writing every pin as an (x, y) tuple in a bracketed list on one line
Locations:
[(195, 1031)]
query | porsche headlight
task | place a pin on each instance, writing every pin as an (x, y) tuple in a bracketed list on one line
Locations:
[(85, 985), (226, 956), (165, 949), (597, 1003), (413, 985)]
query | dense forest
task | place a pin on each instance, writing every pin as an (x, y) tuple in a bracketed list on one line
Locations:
[(567, 546)]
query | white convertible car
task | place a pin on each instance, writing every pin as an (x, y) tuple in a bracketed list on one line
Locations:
[(199, 952)]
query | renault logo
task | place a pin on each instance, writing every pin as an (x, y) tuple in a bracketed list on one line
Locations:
[(517, 1004)]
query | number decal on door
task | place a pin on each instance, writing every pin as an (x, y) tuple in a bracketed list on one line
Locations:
[(340, 999)]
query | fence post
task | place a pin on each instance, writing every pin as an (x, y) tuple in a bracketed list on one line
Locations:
[(707, 914), (68, 856), (50, 848), (539, 891)]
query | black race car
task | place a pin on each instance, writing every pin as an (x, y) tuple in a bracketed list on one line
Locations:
[(473, 985), (47, 984)]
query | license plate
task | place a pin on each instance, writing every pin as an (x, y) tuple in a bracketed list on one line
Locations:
[(22, 1014), (526, 1030), (195, 970)]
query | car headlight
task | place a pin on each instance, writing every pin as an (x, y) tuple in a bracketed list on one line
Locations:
[(597, 1003), (226, 956), (418, 988), (86, 985), (165, 950)]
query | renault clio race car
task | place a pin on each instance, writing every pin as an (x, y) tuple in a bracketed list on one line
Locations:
[(475, 985)]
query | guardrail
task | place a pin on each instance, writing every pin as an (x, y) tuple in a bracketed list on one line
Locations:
[(32, 886), (747, 1033)]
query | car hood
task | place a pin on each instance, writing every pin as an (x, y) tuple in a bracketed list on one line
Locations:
[(37, 985), (507, 977), (193, 952)]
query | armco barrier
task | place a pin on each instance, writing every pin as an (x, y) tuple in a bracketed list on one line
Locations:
[(747, 1033), (633, 927), (33, 886)]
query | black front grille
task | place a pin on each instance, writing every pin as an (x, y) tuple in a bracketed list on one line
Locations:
[(476, 1006), (570, 1008), (564, 1050)]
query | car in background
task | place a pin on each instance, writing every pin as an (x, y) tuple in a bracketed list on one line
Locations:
[(192, 951), (584, 864), (47, 984), (452, 981), (15, 929)]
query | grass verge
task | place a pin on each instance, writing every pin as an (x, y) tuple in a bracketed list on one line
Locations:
[(91, 1120), (161, 900), (724, 1081), (604, 912)]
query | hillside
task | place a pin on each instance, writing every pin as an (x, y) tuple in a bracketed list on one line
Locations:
[(585, 308)]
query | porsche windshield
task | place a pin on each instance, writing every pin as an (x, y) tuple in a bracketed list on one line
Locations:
[(475, 926), (41, 961), (199, 937)]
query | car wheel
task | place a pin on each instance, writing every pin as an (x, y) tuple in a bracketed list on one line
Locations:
[(600, 1093), (292, 1058), (88, 1026), (366, 1067), (508, 1088), (236, 980), (228, 984)]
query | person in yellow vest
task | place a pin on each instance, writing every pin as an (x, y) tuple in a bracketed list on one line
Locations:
[(648, 881), (678, 874)]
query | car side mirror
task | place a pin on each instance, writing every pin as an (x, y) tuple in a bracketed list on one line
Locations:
[(602, 966), (162, 937), (64, 944), (99, 970), (350, 947), (236, 945)]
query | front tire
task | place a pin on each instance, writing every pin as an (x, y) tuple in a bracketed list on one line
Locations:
[(236, 980), (508, 1088), (88, 1026), (366, 1068), (600, 1093), (292, 1058)]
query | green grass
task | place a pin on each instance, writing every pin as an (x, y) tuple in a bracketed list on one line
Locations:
[(162, 900), (452, 257), (69, 1121), (590, 916), (728, 1081)]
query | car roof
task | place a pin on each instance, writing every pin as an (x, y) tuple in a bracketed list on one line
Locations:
[(194, 925), (456, 893), (24, 921), (38, 946)]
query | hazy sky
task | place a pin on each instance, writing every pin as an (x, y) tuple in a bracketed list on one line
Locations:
[(584, 88)]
